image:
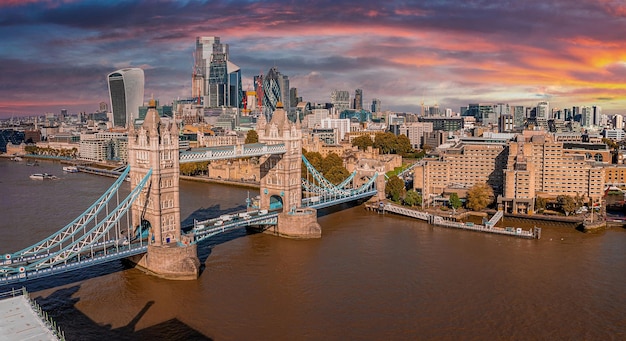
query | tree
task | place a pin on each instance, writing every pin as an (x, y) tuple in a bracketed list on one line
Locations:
[(412, 198), (479, 196), (336, 174), (330, 161), (403, 145), (394, 188), (385, 142), (455, 202), (362, 142), (568, 204), (540, 204), (252, 137)]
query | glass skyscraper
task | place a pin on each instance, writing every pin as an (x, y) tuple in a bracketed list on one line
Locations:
[(126, 87), (216, 80)]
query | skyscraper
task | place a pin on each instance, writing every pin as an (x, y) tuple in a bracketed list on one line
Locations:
[(376, 105), (126, 87), (275, 88), (216, 79), (340, 99), (358, 99)]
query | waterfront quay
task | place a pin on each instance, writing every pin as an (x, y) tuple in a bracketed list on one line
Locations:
[(489, 227)]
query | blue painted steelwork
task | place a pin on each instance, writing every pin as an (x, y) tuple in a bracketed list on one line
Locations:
[(231, 152), (77, 246), (70, 229)]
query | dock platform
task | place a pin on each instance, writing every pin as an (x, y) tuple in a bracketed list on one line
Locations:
[(489, 227), (22, 319)]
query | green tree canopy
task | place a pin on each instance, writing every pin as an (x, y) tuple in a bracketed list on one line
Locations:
[(403, 145), (479, 196), (568, 204), (252, 137), (540, 204), (412, 198), (330, 161), (362, 142), (455, 202), (394, 188), (385, 142), (336, 174)]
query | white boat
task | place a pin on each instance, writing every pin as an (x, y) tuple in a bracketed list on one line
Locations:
[(42, 176), (16, 158), (70, 169)]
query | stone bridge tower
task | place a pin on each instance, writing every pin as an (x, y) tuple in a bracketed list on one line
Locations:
[(281, 178), (154, 145)]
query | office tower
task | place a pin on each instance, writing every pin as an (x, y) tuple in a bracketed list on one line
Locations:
[(597, 115), (358, 99), (433, 111), (216, 79), (126, 88), (502, 109), (293, 97), (586, 116), (519, 116), (376, 105), (340, 100), (543, 109), (618, 121), (274, 88), (448, 112), (482, 113)]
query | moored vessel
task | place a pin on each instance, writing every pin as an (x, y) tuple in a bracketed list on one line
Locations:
[(70, 169), (43, 176)]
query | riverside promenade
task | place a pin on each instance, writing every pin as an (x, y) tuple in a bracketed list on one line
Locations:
[(489, 227)]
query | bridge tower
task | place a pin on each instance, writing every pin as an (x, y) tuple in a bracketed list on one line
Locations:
[(281, 178), (154, 145)]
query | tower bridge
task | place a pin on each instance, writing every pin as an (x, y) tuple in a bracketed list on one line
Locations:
[(145, 227)]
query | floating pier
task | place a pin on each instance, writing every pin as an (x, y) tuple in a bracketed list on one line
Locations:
[(489, 227)]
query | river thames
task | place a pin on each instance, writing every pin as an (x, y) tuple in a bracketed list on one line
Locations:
[(370, 276)]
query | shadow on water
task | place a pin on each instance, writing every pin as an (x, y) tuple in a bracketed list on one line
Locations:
[(61, 307), (337, 208), (67, 278)]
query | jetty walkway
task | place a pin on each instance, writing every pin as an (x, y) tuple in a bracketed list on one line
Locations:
[(489, 227)]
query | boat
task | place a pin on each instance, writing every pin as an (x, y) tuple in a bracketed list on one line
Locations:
[(32, 163), (43, 176), (16, 158), (70, 169)]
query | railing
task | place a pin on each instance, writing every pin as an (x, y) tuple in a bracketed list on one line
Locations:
[(231, 152), (48, 322)]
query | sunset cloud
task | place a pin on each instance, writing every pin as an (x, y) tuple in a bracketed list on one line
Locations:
[(56, 54)]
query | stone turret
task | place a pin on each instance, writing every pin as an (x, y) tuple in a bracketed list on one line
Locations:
[(154, 146), (281, 184)]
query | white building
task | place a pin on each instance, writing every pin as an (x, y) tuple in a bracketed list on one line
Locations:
[(415, 132), (316, 117), (342, 126), (126, 89), (614, 134)]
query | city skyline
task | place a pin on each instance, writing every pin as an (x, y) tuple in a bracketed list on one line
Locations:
[(55, 54)]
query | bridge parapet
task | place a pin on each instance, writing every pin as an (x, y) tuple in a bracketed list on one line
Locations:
[(231, 152)]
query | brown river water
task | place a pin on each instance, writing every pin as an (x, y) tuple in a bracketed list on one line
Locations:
[(370, 276)]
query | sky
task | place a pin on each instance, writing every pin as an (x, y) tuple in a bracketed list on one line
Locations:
[(55, 54)]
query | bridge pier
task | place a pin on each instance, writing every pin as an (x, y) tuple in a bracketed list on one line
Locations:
[(300, 223), (169, 261)]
